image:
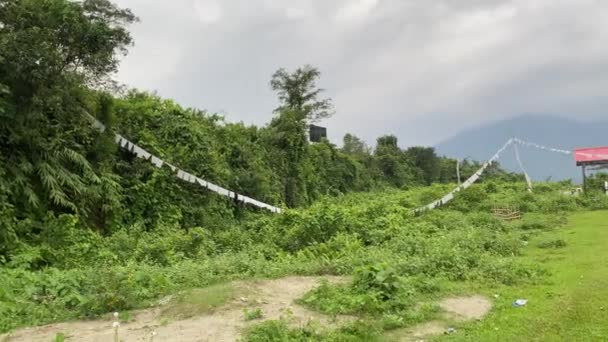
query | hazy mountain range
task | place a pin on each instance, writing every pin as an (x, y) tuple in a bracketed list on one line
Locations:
[(481, 143)]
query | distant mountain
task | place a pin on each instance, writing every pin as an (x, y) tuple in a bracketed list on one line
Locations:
[(480, 143)]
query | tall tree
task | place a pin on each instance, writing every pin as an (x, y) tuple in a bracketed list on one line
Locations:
[(391, 161), (353, 145), (425, 159), (299, 105), (290, 138), (298, 92), (51, 51)]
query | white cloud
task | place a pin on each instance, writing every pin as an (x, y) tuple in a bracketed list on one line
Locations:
[(356, 9), (208, 11), (421, 69)]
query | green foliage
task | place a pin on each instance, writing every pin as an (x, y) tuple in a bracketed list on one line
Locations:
[(557, 243), (397, 259), (195, 302), (425, 159), (279, 330), (353, 145), (125, 316), (252, 314), (60, 337), (298, 92), (381, 279), (88, 228), (50, 52)]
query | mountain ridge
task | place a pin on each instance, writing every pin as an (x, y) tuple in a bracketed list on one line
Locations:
[(481, 142)]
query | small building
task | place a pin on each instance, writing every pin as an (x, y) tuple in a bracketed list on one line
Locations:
[(316, 133), (596, 157)]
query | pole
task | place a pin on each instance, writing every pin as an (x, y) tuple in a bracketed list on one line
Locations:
[(584, 167), (458, 170)]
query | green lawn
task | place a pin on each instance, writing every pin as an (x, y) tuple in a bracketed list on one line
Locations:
[(572, 305)]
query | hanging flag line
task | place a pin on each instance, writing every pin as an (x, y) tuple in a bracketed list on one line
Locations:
[(450, 196), (531, 144), (141, 153), (521, 166), (181, 174)]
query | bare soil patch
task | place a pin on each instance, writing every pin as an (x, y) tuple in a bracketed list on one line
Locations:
[(224, 323), (455, 308), (466, 308)]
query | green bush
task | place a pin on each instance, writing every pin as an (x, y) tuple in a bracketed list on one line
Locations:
[(394, 257), (557, 243)]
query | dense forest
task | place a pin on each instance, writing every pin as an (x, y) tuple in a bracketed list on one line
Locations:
[(56, 62)]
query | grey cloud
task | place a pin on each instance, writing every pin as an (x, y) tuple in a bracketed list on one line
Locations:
[(422, 70)]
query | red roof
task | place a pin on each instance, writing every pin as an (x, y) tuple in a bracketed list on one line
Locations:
[(591, 155)]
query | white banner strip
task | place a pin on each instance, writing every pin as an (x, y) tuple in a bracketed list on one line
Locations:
[(181, 174), (450, 196), (550, 149)]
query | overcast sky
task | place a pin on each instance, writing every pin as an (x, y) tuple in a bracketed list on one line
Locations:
[(420, 69)]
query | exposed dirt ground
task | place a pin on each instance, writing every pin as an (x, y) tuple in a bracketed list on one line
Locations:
[(225, 324), (455, 308), (274, 297)]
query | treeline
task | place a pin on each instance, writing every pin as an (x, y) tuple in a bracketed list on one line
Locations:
[(56, 57)]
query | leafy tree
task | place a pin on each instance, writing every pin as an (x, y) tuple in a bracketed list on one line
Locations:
[(299, 104), (290, 138), (388, 141), (353, 145), (392, 162), (447, 172), (299, 93), (50, 51), (427, 161)]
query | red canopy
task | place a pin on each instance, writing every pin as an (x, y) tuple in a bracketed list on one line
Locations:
[(593, 155)]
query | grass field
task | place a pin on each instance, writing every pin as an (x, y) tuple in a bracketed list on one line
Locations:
[(571, 305)]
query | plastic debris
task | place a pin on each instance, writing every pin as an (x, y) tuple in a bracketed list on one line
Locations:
[(450, 331), (496, 295), (520, 302)]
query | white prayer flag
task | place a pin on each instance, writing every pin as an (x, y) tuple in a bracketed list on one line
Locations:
[(447, 198), (212, 187), (202, 182), (141, 153), (157, 162), (181, 175), (222, 191), (98, 125)]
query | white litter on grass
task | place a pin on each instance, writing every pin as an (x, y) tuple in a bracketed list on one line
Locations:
[(520, 302)]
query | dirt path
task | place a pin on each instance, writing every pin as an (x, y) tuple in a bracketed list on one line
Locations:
[(274, 297), (458, 309)]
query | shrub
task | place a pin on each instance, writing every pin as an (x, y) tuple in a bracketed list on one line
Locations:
[(557, 243), (250, 315)]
